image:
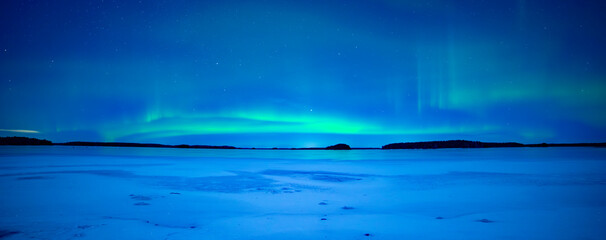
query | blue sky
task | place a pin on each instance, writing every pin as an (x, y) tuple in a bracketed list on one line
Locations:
[(303, 73)]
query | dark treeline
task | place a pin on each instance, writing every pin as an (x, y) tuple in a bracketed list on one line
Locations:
[(23, 141), (340, 146), (34, 141), (154, 145), (567, 145), (477, 144)]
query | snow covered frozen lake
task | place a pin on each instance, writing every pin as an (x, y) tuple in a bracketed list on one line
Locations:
[(59, 192)]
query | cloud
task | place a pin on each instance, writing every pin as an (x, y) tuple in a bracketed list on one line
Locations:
[(18, 131)]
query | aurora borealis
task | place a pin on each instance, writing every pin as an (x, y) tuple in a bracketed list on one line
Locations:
[(303, 73)]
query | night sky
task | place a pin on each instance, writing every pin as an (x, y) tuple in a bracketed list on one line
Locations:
[(305, 73)]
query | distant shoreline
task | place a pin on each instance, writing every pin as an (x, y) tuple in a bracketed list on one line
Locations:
[(24, 141)]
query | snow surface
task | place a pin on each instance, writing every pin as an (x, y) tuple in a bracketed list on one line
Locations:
[(57, 192)]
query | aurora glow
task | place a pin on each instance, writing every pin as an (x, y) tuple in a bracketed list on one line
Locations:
[(308, 73)]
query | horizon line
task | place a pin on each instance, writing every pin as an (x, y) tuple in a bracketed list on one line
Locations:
[(404, 145)]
